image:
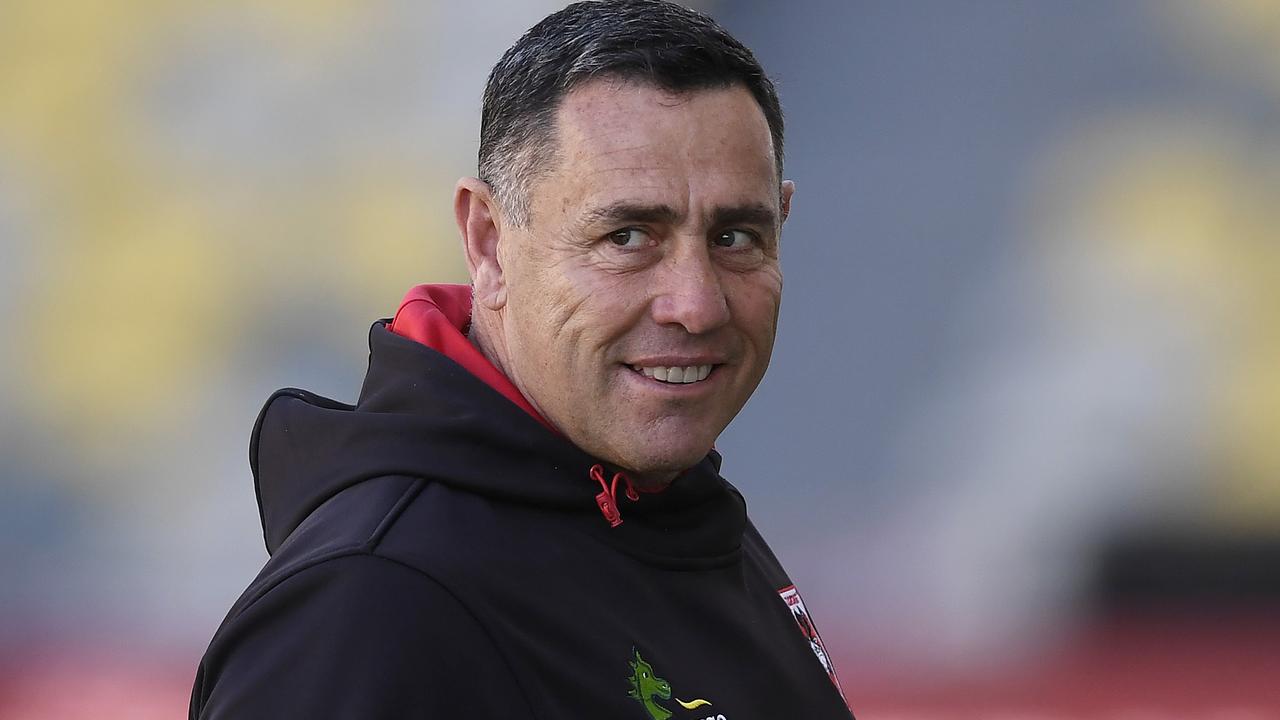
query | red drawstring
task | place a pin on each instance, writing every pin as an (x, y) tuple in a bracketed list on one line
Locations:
[(607, 498)]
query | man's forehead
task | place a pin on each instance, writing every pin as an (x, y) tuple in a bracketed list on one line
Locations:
[(627, 143), (607, 116)]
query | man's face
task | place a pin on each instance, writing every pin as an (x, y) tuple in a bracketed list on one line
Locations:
[(642, 294)]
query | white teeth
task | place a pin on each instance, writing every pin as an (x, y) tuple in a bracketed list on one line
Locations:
[(676, 375)]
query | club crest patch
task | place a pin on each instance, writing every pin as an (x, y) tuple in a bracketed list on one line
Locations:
[(791, 596)]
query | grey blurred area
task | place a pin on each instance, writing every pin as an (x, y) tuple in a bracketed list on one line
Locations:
[(1008, 320)]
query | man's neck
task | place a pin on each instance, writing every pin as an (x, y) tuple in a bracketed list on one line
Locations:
[(479, 333)]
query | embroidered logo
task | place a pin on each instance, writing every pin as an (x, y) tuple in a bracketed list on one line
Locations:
[(647, 688), (791, 596)]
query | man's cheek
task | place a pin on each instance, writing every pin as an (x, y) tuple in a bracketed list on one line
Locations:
[(756, 299)]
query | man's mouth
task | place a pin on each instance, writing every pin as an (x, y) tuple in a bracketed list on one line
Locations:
[(675, 375)]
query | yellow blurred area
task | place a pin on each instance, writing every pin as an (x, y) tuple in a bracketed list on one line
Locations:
[(1238, 36), (1186, 214), (1242, 37), (147, 273), (126, 318)]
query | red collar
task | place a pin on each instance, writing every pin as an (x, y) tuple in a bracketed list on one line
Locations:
[(438, 316)]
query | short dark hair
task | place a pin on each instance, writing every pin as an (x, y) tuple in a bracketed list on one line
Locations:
[(650, 41)]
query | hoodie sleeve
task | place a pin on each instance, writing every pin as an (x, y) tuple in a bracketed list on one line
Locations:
[(355, 636)]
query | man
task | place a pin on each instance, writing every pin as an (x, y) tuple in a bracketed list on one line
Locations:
[(522, 514)]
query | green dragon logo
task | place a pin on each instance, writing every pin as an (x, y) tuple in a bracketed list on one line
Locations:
[(645, 686)]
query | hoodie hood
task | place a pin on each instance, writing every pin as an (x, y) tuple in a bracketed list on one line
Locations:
[(421, 414), (439, 317)]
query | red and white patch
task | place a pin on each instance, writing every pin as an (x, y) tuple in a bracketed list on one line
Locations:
[(791, 596)]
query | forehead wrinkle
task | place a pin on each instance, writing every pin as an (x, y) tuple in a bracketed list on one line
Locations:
[(616, 151), (634, 168), (642, 157)]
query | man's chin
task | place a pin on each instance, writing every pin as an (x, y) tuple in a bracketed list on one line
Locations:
[(658, 472)]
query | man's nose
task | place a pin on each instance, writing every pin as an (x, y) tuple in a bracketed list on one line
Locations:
[(688, 292)]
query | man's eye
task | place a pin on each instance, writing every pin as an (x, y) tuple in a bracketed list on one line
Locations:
[(627, 237), (734, 239)]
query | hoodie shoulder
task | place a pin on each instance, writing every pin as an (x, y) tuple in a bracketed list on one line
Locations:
[(293, 424), (357, 635), (352, 520)]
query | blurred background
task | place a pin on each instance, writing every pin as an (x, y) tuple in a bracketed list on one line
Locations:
[(1020, 442)]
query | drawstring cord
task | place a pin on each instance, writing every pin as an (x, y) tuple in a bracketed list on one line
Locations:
[(607, 498)]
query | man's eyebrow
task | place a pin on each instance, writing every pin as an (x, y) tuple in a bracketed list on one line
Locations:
[(749, 214), (752, 214), (633, 212)]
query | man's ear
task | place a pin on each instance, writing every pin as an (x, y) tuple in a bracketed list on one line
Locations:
[(788, 189), (480, 225)]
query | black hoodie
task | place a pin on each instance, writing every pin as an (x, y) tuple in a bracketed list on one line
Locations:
[(438, 553)]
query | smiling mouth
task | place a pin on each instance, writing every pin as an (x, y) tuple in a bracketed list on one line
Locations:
[(676, 375)]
